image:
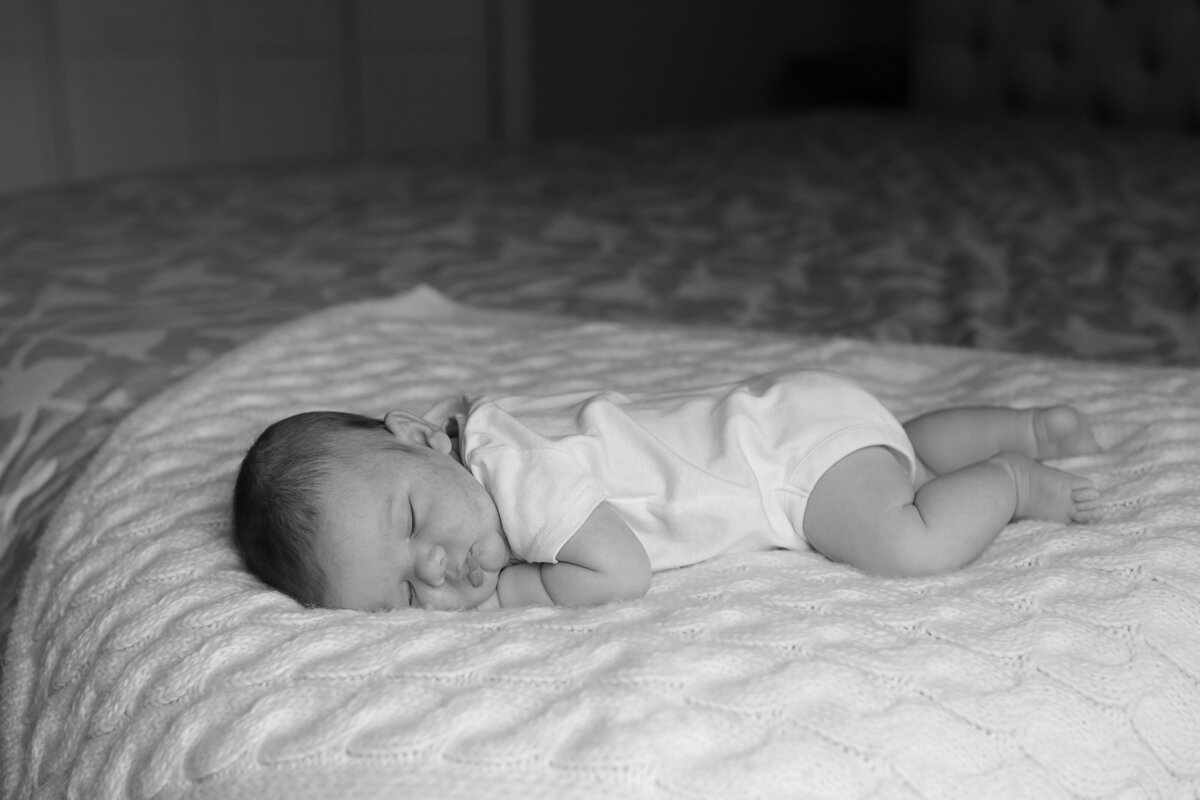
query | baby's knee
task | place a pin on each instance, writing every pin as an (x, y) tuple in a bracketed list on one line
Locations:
[(900, 545), (908, 549)]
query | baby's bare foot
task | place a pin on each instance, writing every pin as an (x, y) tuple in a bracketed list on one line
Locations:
[(1061, 431), (1051, 494)]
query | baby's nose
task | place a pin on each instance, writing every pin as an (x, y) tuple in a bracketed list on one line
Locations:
[(432, 568)]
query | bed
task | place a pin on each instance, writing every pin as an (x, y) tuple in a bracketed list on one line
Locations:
[(151, 323)]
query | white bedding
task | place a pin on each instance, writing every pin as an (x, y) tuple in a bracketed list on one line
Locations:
[(145, 662)]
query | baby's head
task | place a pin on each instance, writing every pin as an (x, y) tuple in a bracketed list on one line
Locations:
[(346, 511)]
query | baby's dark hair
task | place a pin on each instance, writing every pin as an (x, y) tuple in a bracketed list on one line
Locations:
[(277, 496)]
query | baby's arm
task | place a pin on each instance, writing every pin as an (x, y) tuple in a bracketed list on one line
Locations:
[(602, 562)]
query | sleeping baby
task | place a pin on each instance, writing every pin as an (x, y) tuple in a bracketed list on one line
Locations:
[(579, 498)]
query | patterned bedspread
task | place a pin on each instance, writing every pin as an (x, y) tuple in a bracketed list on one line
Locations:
[(145, 662), (1020, 237)]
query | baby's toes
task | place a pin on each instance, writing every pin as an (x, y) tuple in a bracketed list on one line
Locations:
[(1085, 504)]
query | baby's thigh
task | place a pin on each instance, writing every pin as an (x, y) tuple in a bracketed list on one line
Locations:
[(857, 507)]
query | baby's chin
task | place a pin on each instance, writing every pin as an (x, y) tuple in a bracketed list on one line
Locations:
[(491, 584), (478, 596), (490, 603)]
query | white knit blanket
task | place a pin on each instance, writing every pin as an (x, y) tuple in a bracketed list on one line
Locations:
[(145, 662)]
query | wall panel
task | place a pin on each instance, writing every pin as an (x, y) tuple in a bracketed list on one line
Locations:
[(26, 143), (89, 87)]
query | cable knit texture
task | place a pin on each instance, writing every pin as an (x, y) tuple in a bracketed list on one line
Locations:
[(145, 662)]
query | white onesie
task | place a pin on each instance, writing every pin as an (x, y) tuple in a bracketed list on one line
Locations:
[(694, 473)]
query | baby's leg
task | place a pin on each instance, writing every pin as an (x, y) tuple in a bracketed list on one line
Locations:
[(864, 511), (953, 438)]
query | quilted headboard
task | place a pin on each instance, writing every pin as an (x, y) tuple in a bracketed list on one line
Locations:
[(1110, 60)]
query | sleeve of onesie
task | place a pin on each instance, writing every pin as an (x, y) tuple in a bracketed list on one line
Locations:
[(543, 495)]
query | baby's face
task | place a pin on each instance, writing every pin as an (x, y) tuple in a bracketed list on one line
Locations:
[(409, 527)]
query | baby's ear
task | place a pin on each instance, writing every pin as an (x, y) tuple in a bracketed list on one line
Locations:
[(416, 431)]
